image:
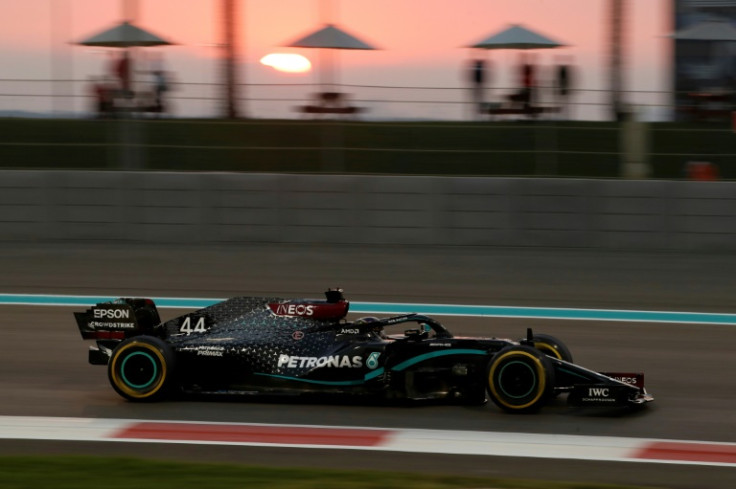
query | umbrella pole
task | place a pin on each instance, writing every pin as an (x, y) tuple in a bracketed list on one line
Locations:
[(616, 67), (333, 158), (327, 75), (130, 137), (129, 134), (128, 131), (130, 10), (229, 15)]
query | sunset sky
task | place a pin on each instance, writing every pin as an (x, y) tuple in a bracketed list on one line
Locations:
[(421, 41)]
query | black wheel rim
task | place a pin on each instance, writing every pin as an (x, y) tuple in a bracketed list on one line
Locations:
[(139, 370), (517, 380)]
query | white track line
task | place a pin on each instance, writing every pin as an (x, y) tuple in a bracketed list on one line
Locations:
[(594, 448)]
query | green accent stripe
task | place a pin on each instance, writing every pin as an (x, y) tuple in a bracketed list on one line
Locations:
[(435, 354), (367, 377), (131, 384), (376, 373), (309, 381), (500, 376)]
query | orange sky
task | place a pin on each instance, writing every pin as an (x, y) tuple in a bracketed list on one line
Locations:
[(420, 39), (409, 31)]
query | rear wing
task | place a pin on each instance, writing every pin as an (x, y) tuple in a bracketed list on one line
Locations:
[(117, 320)]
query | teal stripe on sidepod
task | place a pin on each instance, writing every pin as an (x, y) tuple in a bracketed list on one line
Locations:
[(435, 354)]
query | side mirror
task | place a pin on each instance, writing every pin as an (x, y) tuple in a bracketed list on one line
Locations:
[(529, 340)]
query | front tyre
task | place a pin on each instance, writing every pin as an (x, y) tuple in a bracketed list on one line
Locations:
[(141, 369), (549, 345), (520, 379)]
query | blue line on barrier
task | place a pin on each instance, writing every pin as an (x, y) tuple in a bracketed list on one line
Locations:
[(403, 308), (544, 313)]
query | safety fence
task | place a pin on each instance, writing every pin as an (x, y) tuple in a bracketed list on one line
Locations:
[(504, 148), (278, 101), (232, 208), (403, 130)]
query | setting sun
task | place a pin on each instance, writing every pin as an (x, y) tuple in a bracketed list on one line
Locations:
[(289, 63)]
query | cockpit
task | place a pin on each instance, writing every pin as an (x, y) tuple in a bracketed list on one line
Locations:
[(422, 327)]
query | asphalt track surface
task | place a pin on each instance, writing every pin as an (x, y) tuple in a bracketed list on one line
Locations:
[(689, 368)]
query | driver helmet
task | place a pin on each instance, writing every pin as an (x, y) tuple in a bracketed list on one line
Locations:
[(366, 320), (377, 329)]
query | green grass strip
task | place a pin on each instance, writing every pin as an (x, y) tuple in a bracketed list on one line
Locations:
[(83, 472), (507, 148)]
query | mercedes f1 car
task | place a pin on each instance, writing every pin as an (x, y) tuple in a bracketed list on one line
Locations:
[(274, 346)]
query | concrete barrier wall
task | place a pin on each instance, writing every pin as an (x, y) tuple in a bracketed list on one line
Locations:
[(241, 208)]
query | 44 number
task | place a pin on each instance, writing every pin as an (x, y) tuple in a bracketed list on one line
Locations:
[(187, 328)]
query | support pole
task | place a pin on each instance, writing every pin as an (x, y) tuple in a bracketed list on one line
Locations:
[(62, 72), (617, 14), (229, 45), (130, 10)]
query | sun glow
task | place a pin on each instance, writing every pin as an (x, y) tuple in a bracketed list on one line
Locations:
[(289, 63)]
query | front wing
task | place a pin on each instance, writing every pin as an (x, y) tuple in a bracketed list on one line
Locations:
[(587, 388)]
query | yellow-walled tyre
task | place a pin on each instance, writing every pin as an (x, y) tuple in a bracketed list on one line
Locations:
[(549, 345), (141, 369), (520, 379)]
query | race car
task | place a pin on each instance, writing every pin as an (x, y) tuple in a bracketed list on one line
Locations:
[(248, 346)]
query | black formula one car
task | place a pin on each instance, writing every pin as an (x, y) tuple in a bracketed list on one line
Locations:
[(274, 346)]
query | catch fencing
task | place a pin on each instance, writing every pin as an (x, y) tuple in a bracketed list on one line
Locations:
[(64, 98), (238, 208), (397, 124)]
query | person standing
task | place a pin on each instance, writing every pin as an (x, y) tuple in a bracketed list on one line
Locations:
[(527, 82), (524, 96), (477, 84), (159, 87), (563, 78), (123, 70), (103, 97)]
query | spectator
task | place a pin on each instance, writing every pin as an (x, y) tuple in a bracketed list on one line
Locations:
[(477, 84), (525, 96), (123, 70), (160, 86), (103, 97), (528, 81), (564, 80)]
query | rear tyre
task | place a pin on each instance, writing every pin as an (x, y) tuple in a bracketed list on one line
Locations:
[(549, 345), (141, 369), (520, 379)]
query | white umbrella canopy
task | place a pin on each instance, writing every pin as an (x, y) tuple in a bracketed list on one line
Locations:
[(330, 37), (517, 37), (707, 30), (125, 35)]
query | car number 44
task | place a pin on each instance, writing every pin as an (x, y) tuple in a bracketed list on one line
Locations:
[(186, 326)]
